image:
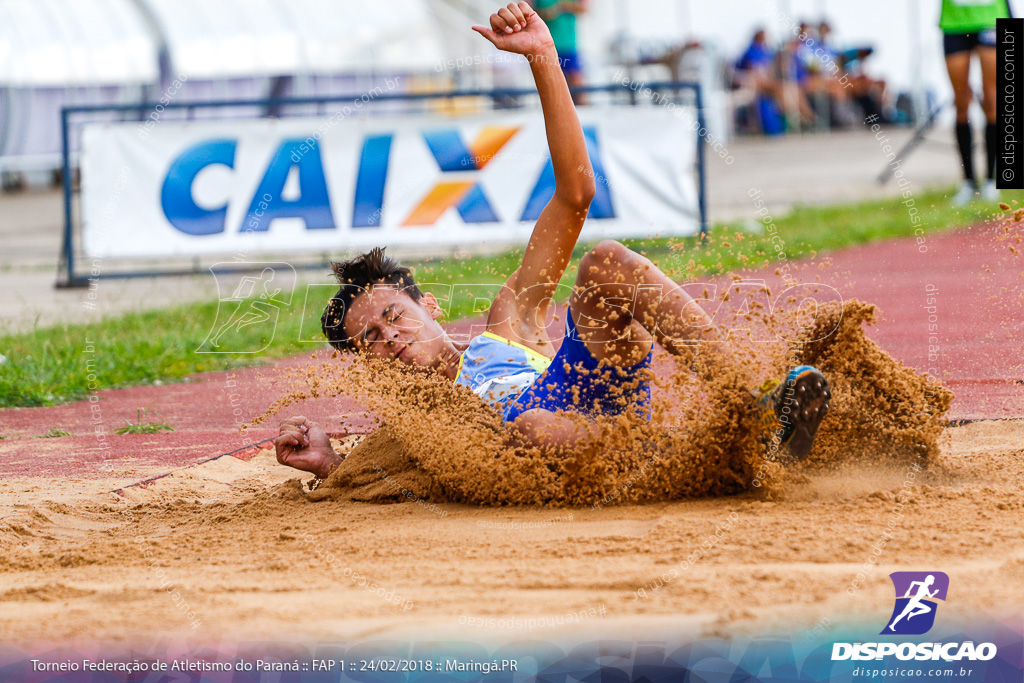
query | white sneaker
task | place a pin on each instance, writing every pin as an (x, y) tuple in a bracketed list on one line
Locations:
[(965, 194), (989, 191)]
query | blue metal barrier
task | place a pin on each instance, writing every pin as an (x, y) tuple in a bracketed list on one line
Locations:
[(67, 277)]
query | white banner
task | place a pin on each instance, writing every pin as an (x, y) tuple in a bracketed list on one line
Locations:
[(327, 185)]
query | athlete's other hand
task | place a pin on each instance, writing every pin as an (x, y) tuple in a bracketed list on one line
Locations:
[(517, 28), (304, 445)]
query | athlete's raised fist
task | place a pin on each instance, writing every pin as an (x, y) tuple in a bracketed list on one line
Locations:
[(517, 28)]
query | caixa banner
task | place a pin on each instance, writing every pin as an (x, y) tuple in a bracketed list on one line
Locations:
[(309, 185)]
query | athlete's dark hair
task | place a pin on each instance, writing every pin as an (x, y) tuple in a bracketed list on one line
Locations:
[(356, 276)]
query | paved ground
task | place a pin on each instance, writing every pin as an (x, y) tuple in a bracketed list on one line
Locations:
[(813, 169), (979, 318)]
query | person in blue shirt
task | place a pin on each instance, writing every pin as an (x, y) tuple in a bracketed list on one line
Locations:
[(758, 56)]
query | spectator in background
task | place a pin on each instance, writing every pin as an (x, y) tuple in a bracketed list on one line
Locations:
[(798, 62), (869, 93), (969, 28), (825, 40), (785, 80), (757, 59), (755, 72), (560, 16), (817, 71), (802, 46)]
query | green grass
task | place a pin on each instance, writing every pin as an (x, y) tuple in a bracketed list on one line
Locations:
[(141, 427), (55, 433), (52, 365)]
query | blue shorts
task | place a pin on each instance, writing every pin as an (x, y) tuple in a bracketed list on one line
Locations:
[(570, 62), (577, 382)]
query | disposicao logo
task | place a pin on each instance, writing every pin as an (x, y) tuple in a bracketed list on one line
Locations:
[(914, 612), (917, 596)]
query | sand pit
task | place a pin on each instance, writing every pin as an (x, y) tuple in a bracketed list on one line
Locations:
[(240, 546), (438, 442), (663, 534)]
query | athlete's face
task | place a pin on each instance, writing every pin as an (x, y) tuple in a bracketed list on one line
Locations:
[(386, 323)]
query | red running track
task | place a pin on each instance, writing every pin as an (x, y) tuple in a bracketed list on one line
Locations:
[(972, 337), (979, 318)]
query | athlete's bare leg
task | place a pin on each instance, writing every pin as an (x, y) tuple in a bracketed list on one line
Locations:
[(622, 302)]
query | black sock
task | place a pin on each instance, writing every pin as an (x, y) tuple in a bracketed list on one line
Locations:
[(963, 142), (991, 145)]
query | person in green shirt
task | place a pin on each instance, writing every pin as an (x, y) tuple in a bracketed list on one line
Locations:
[(560, 16), (969, 28)]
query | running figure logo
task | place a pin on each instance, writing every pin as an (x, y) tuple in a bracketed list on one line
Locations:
[(248, 308), (916, 595)]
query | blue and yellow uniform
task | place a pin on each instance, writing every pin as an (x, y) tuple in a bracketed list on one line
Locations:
[(513, 378), (499, 370)]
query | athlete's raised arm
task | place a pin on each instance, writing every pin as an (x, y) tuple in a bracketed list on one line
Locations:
[(518, 29)]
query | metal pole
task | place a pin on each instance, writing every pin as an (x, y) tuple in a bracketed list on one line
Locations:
[(67, 248), (914, 22), (701, 170), (916, 139)]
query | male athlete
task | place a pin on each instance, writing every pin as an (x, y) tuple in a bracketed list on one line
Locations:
[(620, 305), (916, 606)]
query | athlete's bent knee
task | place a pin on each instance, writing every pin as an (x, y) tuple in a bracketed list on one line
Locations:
[(607, 255)]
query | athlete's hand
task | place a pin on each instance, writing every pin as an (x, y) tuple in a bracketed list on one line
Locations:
[(304, 445), (517, 28)]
